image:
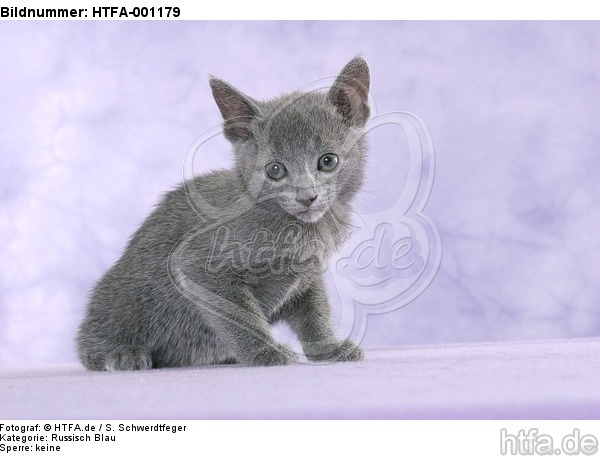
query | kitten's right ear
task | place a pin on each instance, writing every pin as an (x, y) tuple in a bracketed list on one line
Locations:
[(350, 92), (236, 108)]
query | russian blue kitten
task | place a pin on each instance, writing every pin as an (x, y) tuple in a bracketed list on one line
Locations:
[(227, 254)]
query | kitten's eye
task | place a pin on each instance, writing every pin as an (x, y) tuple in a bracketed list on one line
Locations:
[(276, 170), (328, 162)]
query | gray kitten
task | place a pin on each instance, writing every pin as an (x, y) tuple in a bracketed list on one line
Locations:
[(227, 254)]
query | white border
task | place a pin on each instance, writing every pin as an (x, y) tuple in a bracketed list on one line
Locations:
[(303, 438), (347, 9)]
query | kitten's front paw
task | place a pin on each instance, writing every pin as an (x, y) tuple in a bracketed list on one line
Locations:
[(128, 358), (339, 352), (279, 356)]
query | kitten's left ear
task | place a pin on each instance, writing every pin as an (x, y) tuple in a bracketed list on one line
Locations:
[(237, 110), (350, 92)]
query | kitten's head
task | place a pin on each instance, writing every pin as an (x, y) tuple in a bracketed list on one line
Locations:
[(302, 153)]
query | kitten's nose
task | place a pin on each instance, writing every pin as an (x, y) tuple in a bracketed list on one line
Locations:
[(306, 202)]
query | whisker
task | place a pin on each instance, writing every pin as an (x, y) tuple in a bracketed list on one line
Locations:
[(371, 192)]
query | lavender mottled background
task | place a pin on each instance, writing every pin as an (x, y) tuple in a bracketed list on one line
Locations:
[(96, 119)]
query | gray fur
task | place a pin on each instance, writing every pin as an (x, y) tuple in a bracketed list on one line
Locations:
[(202, 284)]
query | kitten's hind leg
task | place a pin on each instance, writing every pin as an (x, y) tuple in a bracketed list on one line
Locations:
[(127, 358), (236, 317)]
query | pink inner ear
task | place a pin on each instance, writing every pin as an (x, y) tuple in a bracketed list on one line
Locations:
[(232, 106), (360, 109), (350, 92), (351, 102), (231, 102), (235, 109)]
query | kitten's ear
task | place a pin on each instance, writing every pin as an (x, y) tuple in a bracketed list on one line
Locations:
[(350, 92), (237, 110)]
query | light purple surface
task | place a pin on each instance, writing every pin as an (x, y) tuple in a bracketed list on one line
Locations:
[(510, 380), (96, 119)]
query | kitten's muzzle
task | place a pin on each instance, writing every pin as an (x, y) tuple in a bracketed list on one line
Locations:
[(306, 202)]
